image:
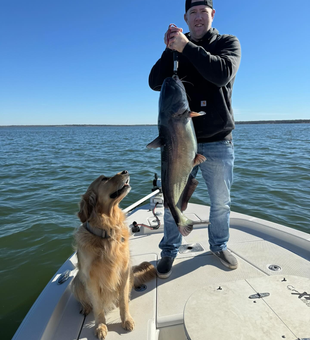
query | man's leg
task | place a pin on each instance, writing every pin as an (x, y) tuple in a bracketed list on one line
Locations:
[(217, 172), (169, 245)]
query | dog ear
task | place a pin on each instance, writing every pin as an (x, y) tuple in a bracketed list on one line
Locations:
[(87, 205)]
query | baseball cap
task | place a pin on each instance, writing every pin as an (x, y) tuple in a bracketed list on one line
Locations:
[(189, 4)]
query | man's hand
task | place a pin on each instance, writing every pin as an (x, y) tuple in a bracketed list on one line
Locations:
[(175, 39)]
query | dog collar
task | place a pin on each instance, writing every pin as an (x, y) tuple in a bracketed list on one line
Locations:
[(96, 231)]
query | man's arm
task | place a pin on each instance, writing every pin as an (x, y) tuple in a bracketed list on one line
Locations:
[(161, 70), (218, 69)]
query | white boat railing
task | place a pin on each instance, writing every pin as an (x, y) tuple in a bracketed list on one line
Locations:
[(134, 205)]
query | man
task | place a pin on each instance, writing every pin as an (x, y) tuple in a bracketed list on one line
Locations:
[(208, 63)]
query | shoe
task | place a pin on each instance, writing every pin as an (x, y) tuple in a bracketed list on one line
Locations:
[(227, 258), (164, 267)]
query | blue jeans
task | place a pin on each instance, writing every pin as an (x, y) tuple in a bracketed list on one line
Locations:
[(217, 171)]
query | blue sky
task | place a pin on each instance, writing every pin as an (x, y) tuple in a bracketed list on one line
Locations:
[(87, 62)]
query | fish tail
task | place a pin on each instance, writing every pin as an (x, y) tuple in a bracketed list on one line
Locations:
[(185, 230), (189, 226)]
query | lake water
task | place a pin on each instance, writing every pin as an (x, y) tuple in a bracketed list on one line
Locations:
[(45, 170)]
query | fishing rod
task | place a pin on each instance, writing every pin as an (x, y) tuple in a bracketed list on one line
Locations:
[(175, 63), (174, 53)]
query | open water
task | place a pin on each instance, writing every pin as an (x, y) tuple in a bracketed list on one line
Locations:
[(45, 170)]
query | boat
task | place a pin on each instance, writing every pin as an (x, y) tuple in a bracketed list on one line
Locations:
[(266, 297)]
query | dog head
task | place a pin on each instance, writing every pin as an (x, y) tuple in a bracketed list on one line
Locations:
[(103, 194)]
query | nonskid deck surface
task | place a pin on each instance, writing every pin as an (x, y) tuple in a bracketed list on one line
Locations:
[(159, 310), (162, 305), (256, 251)]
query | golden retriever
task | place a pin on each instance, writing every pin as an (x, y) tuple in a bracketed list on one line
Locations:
[(105, 276)]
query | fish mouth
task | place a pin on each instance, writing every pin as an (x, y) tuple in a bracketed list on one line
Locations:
[(124, 188)]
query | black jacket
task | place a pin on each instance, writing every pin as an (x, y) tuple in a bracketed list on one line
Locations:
[(208, 69)]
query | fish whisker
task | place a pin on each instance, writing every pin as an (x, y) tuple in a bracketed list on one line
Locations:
[(187, 82)]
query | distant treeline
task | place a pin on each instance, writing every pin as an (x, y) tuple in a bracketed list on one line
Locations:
[(295, 121)]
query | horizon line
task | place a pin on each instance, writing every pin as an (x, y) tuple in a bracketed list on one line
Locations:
[(280, 121)]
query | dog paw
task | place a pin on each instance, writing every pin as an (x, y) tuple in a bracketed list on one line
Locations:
[(128, 324), (101, 331)]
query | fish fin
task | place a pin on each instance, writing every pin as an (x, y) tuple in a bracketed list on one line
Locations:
[(156, 143), (188, 191), (196, 114), (199, 159)]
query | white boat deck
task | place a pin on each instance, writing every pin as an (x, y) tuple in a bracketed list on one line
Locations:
[(188, 305)]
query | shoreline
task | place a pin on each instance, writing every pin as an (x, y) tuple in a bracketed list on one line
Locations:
[(284, 121), (295, 121)]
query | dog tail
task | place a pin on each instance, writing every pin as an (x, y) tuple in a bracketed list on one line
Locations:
[(142, 273)]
